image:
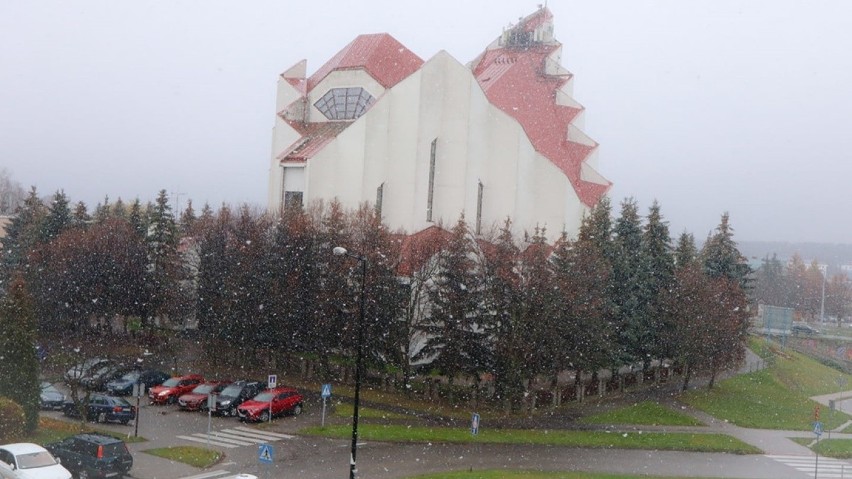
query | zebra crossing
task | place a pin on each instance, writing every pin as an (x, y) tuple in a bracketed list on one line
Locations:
[(235, 437), (221, 474), (825, 467)]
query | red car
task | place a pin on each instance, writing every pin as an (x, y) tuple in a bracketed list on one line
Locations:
[(196, 400), (284, 401), (173, 388)]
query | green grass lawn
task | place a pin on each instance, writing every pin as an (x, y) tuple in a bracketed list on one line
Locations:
[(194, 456), (838, 448), (594, 439), (345, 410), (643, 413), (501, 474), (774, 398)]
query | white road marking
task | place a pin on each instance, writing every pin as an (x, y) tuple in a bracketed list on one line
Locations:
[(266, 433), (212, 442), (207, 475), (826, 467)]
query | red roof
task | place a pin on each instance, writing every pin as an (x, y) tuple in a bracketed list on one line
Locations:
[(314, 137), (384, 58), (513, 79), (420, 247)]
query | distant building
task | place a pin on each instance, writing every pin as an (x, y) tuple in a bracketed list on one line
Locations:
[(427, 141)]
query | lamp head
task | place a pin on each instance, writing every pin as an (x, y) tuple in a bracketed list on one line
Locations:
[(339, 251)]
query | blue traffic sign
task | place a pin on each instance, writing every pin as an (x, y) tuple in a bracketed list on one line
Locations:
[(818, 428), (326, 390), (474, 424), (264, 454)]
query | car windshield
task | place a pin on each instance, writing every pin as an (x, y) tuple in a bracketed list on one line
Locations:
[(170, 383), (35, 459), (132, 376), (203, 389), (120, 402), (232, 391), (264, 396)]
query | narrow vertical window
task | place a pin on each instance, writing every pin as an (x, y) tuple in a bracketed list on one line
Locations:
[(380, 194), (431, 179), (479, 209)]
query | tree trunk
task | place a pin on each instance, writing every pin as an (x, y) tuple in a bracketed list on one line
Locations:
[(578, 385), (687, 375)]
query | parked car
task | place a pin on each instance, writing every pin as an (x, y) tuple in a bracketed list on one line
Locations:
[(196, 400), (804, 329), (82, 370), (94, 456), (50, 397), (6, 472), (103, 408), (173, 388), (148, 378), (235, 394), (283, 400), (31, 461), (98, 379)]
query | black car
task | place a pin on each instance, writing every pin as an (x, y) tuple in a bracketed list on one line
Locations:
[(102, 408), (50, 397), (98, 379), (235, 394), (93, 455), (80, 371), (123, 386)]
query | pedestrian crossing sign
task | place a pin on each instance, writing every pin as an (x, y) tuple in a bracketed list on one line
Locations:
[(265, 453), (326, 390)]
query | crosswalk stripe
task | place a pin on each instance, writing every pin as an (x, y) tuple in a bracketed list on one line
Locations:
[(237, 437), (215, 437), (215, 443), (265, 433), (826, 467), (207, 475), (254, 435)]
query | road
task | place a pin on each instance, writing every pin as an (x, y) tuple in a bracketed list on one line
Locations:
[(311, 457)]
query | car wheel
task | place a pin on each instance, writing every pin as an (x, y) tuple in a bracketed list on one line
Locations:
[(264, 416), (171, 399), (124, 422), (297, 409), (102, 417)]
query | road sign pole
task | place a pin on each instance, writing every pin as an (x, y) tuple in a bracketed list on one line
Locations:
[(323, 412), (137, 389)]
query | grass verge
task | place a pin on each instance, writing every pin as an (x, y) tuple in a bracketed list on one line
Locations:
[(53, 430), (345, 410), (502, 474), (774, 398), (643, 413), (837, 448), (593, 439), (194, 456)]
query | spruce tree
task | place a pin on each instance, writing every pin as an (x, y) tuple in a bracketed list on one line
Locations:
[(630, 292), (19, 365), (58, 217), (659, 276), (80, 218), (23, 235), (721, 257), (455, 339)]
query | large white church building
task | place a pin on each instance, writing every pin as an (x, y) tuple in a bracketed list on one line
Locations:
[(427, 141)]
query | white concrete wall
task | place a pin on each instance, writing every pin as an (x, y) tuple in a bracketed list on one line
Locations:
[(476, 142)]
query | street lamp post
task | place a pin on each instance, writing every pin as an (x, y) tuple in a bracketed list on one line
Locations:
[(359, 358)]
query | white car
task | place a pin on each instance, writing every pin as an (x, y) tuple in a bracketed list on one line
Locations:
[(6, 472), (31, 461)]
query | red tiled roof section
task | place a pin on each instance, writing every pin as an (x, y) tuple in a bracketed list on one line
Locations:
[(384, 58), (314, 137), (513, 79), (420, 247)]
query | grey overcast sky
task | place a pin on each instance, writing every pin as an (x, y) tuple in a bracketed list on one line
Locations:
[(706, 105)]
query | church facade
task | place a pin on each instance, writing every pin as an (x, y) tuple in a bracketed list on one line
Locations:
[(427, 141)]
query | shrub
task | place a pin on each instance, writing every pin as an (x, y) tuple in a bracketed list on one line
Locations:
[(13, 421)]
